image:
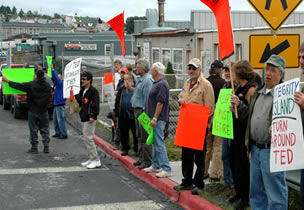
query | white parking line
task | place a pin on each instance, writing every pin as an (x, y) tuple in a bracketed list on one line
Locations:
[(147, 205), (46, 170)]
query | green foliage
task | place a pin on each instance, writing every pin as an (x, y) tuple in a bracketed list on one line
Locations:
[(56, 15), (14, 10), (29, 14), (130, 23), (174, 152), (21, 13), (170, 76)]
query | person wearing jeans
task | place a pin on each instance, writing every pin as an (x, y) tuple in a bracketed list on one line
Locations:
[(59, 103), (267, 190), (228, 181), (157, 108)]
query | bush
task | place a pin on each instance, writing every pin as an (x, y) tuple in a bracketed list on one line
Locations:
[(171, 77)]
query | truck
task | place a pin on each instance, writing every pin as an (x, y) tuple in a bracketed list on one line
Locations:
[(17, 104)]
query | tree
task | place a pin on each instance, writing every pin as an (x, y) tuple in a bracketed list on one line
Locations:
[(35, 14), (14, 11), (21, 13), (8, 10), (170, 76), (130, 23), (29, 14), (56, 15)]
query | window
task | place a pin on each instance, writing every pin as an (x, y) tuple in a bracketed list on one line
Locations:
[(238, 52), (178, 62), (155, 55), (107, 49), (166, 56), (216, 52)]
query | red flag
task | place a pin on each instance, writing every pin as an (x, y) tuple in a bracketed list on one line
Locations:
[(117, 23), (221, 10)]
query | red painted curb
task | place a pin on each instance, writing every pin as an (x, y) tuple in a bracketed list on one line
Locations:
[(165, 185)]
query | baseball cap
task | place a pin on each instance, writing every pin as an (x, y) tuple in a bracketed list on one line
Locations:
[(125, 70), (277, 60), (217, 64), (195, 62)]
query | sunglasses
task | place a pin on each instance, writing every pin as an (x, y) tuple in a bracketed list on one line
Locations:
[(83, 79), (299, 57), (193, 68)]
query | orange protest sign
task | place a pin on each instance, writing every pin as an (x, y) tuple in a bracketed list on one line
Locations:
[(108, 78), (191, 126)]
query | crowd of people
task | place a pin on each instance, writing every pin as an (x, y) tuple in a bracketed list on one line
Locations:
[(244, 162)]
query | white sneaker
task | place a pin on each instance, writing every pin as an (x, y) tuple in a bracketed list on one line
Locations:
[(163, 174), (86, 163), (151, 169), (94, 164)]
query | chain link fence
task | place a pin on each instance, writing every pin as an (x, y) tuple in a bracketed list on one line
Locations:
[(175, 89)]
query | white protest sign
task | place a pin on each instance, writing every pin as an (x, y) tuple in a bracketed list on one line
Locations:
[(109, 90), (287, 133), (72, 77)]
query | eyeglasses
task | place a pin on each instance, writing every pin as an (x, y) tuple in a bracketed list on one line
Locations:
[(122, 72), (82, 79), (299, 57), (193, 68)]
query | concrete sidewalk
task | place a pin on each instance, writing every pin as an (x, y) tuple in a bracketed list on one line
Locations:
[(165, 185)]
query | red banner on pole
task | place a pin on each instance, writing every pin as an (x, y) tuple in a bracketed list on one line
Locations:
[(117, 24), (221, 10)]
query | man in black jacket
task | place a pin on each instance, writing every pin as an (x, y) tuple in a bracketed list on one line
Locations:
[(88, 99), (38, 92)]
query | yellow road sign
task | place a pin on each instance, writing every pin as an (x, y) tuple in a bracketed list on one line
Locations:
[(275, 12), (261, 46)]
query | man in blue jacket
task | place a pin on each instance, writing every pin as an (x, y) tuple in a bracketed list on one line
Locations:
[(59, 104)]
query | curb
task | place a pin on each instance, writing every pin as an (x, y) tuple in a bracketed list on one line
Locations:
[(165, 185)]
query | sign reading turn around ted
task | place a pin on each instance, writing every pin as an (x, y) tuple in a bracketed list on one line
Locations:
[(275, 12), (261, 46)]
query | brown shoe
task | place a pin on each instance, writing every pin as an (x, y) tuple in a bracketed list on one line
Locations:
[(33, 150), (46, 149), (115, 147)]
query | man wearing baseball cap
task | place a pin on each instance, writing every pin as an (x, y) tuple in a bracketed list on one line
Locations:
[(197, 90), (267, 190)]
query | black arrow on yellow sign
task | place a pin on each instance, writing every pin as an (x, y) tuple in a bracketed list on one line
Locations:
[(276, 50), (283, 2)]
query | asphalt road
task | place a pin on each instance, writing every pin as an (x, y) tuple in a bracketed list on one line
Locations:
[(57, 181)]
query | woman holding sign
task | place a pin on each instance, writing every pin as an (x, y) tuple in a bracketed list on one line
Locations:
[(244, 75)]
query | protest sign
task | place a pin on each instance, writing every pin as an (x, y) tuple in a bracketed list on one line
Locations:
[(145, 121), (49, 60), (287, 133), (222, 119), (72, 77), (191, 126), (17, 75), (109, 89)]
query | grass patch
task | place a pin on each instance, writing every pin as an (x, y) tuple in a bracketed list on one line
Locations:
[(174, 152)]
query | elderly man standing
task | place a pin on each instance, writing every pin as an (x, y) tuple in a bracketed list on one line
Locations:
[(157, 108), (267, 190), (138, 100), (197, 90), (299, 99)]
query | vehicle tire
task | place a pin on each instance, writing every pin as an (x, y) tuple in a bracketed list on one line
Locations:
[(17, 112), (12, 105), (1, 98), (6, 104)]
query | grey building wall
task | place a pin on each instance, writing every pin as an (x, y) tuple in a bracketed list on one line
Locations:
[(11, 29), (205, 20), (54, 43)]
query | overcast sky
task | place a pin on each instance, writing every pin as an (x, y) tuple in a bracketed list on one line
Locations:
[(106, 9)]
